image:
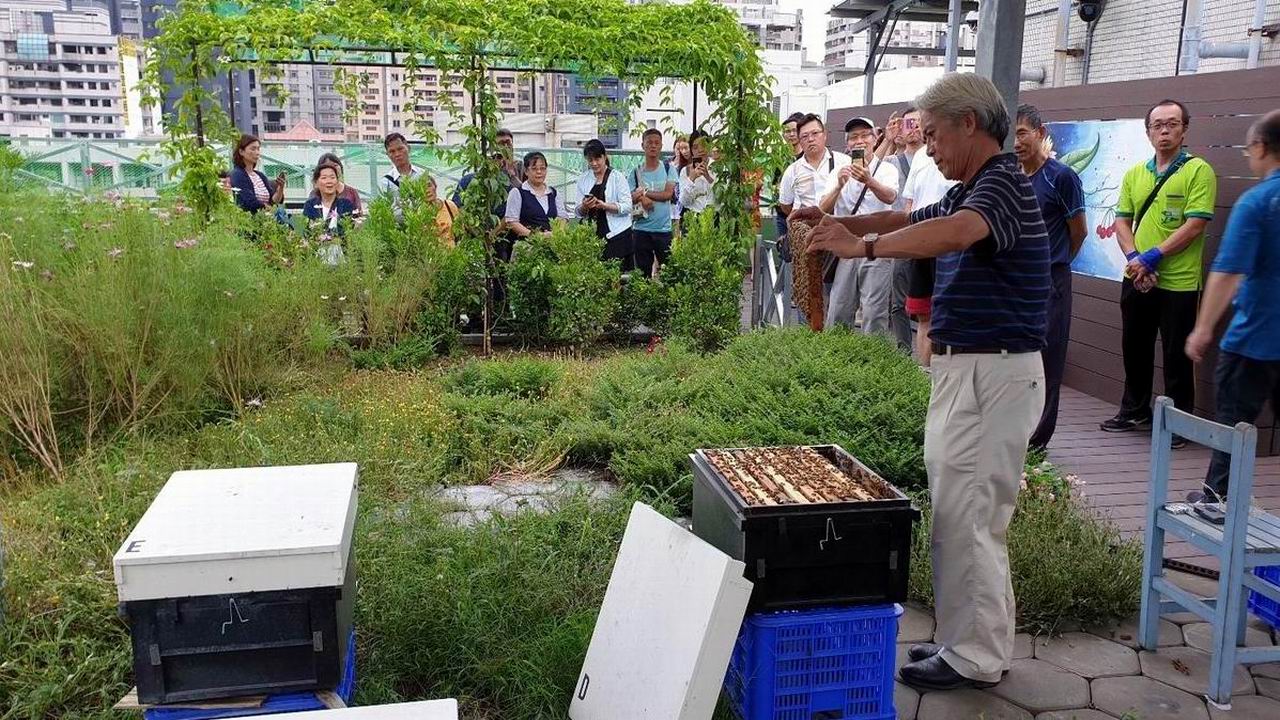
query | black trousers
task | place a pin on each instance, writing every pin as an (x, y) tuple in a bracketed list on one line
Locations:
[(1057, 335), (651, 245), (1172, 314), (621, 247), (1243, 387)]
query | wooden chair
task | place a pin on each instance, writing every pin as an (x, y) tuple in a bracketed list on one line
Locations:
[(1249, 538)]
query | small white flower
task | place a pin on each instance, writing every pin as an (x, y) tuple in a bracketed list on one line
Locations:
[(23, 264), (342, 298), (115, 252), (253, 403), (324, 297)]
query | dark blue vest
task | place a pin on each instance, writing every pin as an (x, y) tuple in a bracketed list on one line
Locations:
[(532, 215)]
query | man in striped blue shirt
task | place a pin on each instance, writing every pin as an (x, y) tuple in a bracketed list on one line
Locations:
[(989, 305)]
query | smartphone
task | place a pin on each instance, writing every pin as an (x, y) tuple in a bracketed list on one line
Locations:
[(859, 156), (910, 124)]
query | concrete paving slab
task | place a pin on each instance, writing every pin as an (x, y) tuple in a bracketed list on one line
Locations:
[(1125, 632), (968, 705), (1022, 646), (915, 625), (1266, 670), (1188, 669), (1268, 687), (906, 701), (1250, 707), (1200, 636), (1145, 698), (1087, 655), (1037, 686), (1083, 714)]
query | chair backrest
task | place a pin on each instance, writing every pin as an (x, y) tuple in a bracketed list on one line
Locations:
[(1241, 442)]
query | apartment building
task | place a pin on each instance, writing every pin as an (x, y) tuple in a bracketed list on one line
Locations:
[(60, 70)]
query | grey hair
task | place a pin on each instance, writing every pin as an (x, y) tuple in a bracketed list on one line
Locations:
[(958, 94)]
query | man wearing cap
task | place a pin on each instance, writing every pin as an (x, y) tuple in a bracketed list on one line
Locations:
[(864, 186)]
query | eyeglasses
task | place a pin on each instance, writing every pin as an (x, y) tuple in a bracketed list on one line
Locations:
[(1249, 146), (810, 135), (1162, 124)]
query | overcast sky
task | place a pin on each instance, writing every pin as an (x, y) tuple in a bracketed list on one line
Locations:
[(815, 24)]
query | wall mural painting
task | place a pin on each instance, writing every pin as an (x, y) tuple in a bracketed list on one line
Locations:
[(1101, 152)]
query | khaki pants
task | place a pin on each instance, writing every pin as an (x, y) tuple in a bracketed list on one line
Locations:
[(982, 411)]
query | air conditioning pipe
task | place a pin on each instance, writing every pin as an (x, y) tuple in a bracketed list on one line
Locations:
[(1033, 74), (1194, 49)]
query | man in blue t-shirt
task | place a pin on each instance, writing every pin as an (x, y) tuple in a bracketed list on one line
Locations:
[(1245, 274), (988, 327), (652, 185), (1061, 199)]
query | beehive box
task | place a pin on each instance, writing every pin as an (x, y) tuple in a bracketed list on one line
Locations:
[(813, 525), (241, 581)]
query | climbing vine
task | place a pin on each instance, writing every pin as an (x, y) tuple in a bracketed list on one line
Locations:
[(464, 39)]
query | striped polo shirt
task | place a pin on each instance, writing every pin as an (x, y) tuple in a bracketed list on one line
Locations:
[(993, 294)]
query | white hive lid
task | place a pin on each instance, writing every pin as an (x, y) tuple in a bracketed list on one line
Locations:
[(211, 532), (666, 628), (426, 710)]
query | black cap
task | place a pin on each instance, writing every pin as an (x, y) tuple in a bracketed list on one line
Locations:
[(859, 122)]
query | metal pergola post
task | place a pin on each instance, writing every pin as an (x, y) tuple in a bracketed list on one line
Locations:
[(954, 17), (999, 57)]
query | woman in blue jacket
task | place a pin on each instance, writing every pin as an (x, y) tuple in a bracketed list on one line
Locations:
[(325, 210), (249, 185)]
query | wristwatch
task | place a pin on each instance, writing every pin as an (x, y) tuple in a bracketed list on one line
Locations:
[(869, 245)]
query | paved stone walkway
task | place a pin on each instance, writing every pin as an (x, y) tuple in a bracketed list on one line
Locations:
[(1100, 674)]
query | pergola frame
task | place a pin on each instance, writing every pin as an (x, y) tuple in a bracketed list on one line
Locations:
[(700, 42)]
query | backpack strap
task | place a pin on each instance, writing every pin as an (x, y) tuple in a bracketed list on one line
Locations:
[(393, 180)]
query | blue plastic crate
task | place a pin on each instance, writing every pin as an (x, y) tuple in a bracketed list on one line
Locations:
[(824, 664), (278, 703), (1262, 606)]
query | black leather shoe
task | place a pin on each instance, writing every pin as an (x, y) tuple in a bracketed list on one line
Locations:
[(933, 673), (920, 651)]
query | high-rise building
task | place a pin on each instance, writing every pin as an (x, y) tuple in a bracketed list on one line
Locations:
[(773, 28), (389, 102), (844, 49), (59, 70), (126, 18)]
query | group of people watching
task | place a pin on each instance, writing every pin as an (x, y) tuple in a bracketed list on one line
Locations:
[(980, 246), (637, 214)]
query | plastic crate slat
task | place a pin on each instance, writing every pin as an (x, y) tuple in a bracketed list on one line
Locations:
[(794, 665)]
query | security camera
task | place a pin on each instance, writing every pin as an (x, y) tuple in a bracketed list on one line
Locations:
[(1090, 10), (971, 19)]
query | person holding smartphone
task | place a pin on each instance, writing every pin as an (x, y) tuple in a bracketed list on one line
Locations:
[(249, 185), (697, 182), (606, 203), (861, 188)]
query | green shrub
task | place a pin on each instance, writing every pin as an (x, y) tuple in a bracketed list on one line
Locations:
[(144, 318), (1069, 566), (529, 378), (704, 281), (559, 289), (501, 613), (643, 302), (766, 388)]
